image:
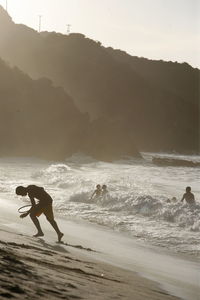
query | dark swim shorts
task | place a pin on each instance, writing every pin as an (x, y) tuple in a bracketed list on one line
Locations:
[(46, 210)]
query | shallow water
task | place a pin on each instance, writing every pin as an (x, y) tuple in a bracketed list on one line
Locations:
[(136, 204)]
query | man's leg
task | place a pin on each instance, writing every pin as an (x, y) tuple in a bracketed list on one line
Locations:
[(55, 226), (37, 224), (50, 217)]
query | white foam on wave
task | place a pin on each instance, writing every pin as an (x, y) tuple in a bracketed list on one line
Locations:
[(181, 215), (137, 200)]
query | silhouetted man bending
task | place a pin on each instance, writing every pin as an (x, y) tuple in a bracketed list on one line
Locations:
[(44, 206)]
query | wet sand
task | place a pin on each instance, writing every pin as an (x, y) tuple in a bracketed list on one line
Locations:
[(92, 263), (32, 268)]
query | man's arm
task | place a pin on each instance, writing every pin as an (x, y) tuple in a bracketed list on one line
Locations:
[(32, 200), (33, 205), (183, 198), (93, 195), (193, 198)]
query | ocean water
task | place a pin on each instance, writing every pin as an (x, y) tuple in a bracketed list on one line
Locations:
[(136, 205)]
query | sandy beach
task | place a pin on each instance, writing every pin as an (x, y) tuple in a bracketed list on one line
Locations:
[(33, 269), (91, 263)]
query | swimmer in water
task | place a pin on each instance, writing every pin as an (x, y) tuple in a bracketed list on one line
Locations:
[(188, 196), (97, 193), (104, 190), (173, 199)]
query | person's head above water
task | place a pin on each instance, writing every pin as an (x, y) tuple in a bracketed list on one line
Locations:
[(188, 189), (98, 186), (21, 191), (104, 187)]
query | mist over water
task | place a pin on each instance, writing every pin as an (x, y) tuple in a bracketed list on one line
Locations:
[(137, 203)]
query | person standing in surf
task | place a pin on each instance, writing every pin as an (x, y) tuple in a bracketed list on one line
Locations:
[(44, 206), (188, 196), (97, 192), (104, 190)]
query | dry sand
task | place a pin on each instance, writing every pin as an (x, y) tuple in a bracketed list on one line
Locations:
[(33, 269)]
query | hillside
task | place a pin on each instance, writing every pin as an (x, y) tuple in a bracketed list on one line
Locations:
[(37, 119), (155, 103)]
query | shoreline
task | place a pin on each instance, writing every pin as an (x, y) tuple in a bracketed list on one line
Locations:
[(37, 269), (149, 269)]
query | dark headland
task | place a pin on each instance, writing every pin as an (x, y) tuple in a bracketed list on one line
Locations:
[(62, 94)]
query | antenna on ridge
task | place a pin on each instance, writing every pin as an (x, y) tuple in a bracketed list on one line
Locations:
[(68, 28), (40, 22), (6, 5)]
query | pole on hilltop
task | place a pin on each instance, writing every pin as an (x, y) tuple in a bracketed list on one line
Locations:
[(40, 23), (68, 28)]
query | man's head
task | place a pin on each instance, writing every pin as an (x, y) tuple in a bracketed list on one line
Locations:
[(188, 189), (21, 191)]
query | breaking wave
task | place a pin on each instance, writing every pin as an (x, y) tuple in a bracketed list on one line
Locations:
[(143, 199)]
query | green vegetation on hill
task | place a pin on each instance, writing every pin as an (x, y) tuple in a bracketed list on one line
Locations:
[(38, 119), (152, 103)]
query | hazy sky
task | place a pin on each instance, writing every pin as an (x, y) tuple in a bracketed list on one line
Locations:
[(157, 29)]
